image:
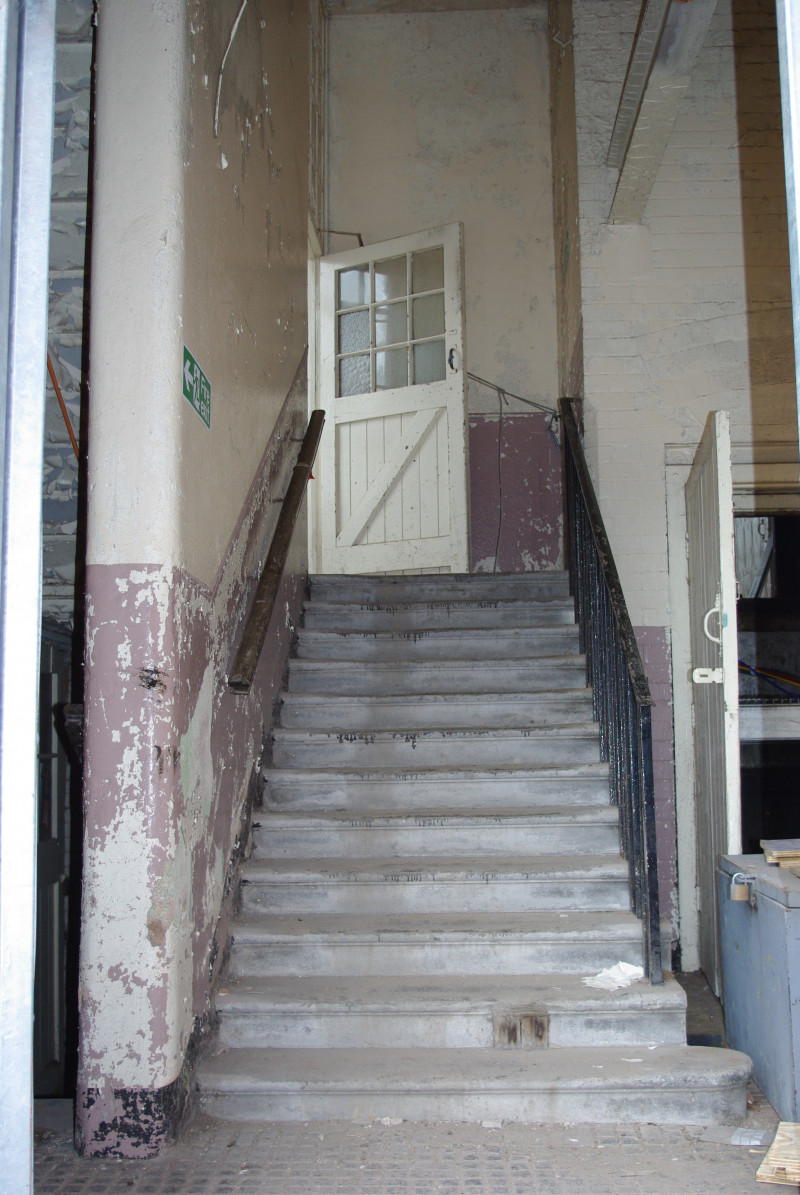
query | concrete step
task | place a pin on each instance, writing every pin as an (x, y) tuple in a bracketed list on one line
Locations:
[(428, 615), (448, 884), (434, 944), (395, 788), (435, 710), (383, 677), (442, 587), (578, 743), (502, 644), (462, 1011), (671, 1084), (328, 834)]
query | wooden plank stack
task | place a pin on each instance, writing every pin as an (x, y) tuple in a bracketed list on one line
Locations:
[(783, 851)]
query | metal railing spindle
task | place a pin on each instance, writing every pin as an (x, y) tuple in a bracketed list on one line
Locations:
[(621, 695)]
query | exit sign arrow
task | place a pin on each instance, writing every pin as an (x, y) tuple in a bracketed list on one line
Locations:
[(196, 387)]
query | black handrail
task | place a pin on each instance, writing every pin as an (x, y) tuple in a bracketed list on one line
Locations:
[(255, 631), (621, 694)]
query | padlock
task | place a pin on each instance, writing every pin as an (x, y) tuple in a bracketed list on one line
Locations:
[(740, 886)]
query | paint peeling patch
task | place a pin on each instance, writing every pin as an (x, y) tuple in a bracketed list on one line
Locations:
[(150, 678), (137, 1122)]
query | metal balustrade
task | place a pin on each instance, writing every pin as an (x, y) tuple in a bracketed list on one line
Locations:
[(621, 694)]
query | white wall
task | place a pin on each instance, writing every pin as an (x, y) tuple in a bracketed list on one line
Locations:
[(438, 117), (689, 311)]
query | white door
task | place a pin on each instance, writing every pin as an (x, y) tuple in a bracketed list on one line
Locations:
[(715, 673), (392, 468)]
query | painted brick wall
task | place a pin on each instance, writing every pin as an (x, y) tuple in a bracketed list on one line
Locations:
[(689, 311)]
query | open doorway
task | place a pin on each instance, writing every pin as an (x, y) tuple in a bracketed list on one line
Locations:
[(767, 551)]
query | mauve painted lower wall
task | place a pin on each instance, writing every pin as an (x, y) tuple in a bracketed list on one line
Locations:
[(655, 648), (170, 762), (516, 514)]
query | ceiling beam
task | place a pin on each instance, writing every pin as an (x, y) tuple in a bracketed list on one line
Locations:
[(665, 50)]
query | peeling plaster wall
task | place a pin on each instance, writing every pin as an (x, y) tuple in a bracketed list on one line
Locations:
[(516, 504), (198, 240), (439, 117)]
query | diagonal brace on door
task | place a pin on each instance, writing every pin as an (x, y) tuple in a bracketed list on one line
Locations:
[(383, 480)]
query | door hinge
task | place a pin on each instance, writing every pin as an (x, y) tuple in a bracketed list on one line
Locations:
[(708, 676)]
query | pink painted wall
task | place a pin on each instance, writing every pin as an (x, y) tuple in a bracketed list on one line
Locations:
[(171, 755), (515, 494)]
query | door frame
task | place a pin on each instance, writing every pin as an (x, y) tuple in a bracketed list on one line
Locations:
[(764, 482), (312, 501)]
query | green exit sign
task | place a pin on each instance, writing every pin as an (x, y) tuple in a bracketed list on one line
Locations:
[(196, 387)]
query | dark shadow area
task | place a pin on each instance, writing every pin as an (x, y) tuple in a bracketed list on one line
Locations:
[(763, 195), (704, 1020)]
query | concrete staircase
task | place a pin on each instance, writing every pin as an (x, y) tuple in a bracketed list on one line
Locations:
[(435, 870)]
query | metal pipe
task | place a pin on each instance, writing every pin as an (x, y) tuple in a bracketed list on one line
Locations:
[(255, 631)]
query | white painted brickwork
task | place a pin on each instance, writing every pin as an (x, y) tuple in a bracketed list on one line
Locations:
[(689, 311)]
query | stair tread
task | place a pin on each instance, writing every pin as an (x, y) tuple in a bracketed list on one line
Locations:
[(568, 630), (432, 868), (443, 603), (578, 925), (462, 771), (445, 993), (463, 1069), (566, 730), (561, 696), (492, 815), (570, 659)]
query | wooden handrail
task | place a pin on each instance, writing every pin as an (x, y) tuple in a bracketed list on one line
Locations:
[(255, 631)]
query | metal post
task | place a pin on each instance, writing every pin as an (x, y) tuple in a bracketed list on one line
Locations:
[(27, 59), (789, 58)]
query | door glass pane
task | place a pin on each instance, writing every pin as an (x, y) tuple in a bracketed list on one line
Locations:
[(354, 375), (353, 331), (391, 324), (353, 286), (391, 369), (429, 361), (390, 278), (427, 270), (428, 316)]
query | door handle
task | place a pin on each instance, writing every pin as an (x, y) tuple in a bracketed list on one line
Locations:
[(723, 619), (452, 359)]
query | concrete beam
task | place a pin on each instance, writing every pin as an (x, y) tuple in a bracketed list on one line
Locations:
[(670, 35)]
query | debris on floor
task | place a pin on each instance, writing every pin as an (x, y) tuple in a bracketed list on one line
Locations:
[(621, 975)]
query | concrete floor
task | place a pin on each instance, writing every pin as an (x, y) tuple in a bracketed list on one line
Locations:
[(340, 1158)]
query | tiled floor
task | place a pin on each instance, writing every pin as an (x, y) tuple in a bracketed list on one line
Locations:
[(419, 1159)]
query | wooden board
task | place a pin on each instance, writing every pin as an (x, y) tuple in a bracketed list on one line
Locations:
[(777, 849), (782, 1160)]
